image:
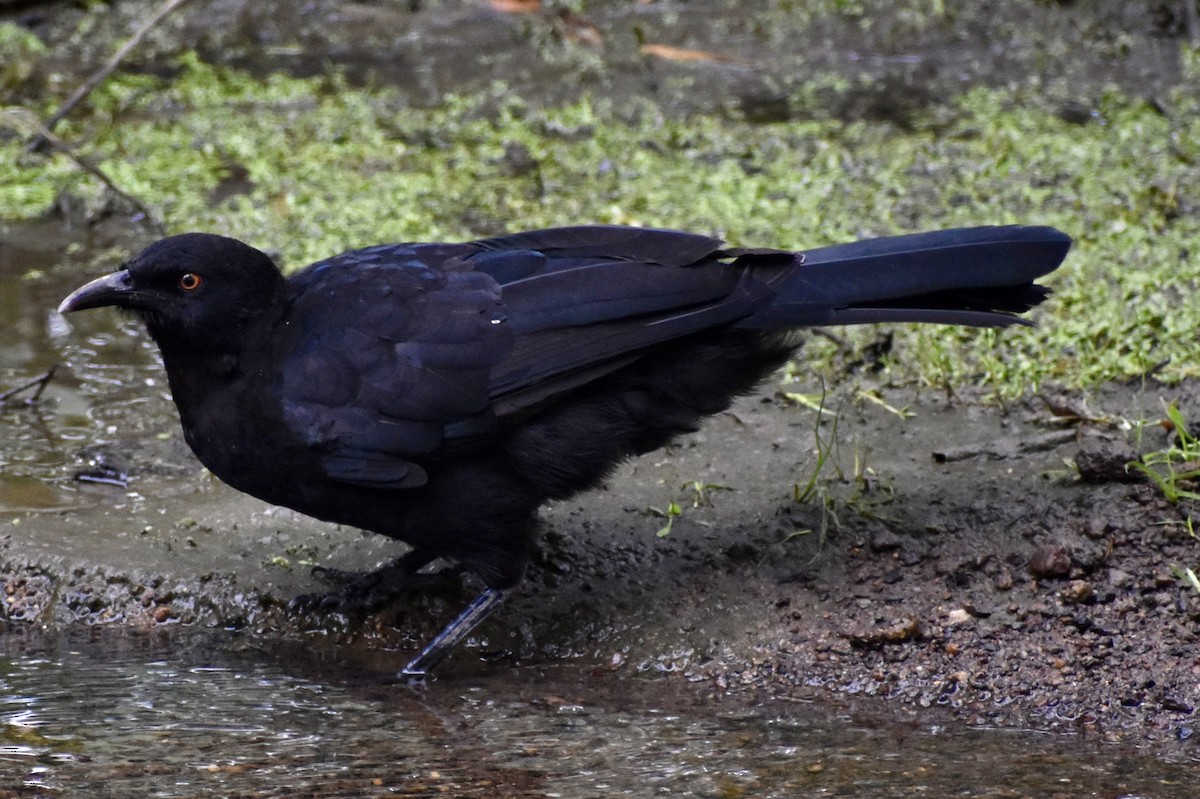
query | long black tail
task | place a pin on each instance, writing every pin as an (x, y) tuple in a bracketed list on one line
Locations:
[(980, 276)]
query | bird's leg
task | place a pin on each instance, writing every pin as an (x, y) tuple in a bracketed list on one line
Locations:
[(436, 650), (365, 592)]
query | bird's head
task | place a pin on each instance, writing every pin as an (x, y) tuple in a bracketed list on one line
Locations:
[(196, 292)]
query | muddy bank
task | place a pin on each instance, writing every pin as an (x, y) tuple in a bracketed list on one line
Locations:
[(998, 585), (995, 587)]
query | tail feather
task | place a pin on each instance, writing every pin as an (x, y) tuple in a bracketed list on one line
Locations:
[(979, 276)]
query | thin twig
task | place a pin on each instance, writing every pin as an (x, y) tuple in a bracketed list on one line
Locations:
[(1006, 447), (823, 332), (98, 77), (40, 381), (27, 120)]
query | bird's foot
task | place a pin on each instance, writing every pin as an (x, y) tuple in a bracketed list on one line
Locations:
[(363, 592)]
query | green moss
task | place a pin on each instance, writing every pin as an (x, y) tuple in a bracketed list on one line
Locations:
[(20, 51), (328, 167)]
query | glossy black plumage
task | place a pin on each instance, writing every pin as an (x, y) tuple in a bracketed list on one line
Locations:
[(439, 393)]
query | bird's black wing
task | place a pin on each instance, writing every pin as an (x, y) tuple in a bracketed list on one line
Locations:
[(388, 351), (583, 301), (398, 350)]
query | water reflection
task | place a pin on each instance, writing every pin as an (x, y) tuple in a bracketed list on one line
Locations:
[(107, 377), (118, 714)]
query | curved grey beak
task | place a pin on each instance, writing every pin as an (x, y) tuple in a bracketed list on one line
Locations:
[(112, 289)]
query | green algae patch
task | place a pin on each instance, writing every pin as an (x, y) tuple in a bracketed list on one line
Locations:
[(20, 51), (307, 168)]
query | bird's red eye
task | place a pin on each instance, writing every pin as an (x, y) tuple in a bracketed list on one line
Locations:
[(190, 281)]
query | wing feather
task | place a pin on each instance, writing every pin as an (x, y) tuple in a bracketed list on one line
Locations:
[(400, 361), (432, 344)]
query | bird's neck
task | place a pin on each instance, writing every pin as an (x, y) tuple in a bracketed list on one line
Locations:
[(197, 381), (216, 357), (217, 394), (200, 368)]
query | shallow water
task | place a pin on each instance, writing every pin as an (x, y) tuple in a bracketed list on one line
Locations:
[(122, 714)]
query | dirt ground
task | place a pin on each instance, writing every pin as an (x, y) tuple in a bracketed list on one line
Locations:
[(997, 584)]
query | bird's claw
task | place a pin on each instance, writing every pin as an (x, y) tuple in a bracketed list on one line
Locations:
[(309, 604), (356, 597), (328, 574), (363, 592)]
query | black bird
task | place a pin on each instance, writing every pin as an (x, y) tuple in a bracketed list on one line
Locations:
[(439, 393)]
